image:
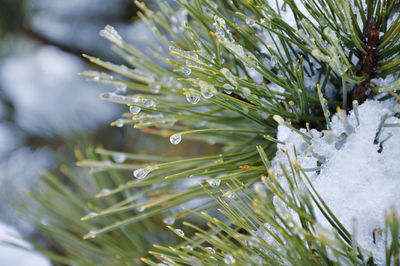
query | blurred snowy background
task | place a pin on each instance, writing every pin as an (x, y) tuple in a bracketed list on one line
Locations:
[(44, 104)]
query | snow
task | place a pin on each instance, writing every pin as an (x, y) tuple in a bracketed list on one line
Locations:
[(359, 180), (13, 256), (19, 171), (57, 102)]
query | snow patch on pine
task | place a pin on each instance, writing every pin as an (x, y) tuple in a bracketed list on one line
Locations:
[(359, 178)]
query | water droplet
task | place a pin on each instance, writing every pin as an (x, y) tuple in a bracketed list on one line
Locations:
[(120, 88), (96, 168), (169, 220), (228, 88), (175, 139), (229, 76), (189, 247), (44, 221), (192, 98), (230, 195), (274, 60), (246, 92), (257, 259), (168, 80), (154, 88), (135, 109), (140, 208), (104, 192), (141, 173), (148, 103), (250, 22), (91, 234), (210, 249), (245, 109), (89, 215), (180, 232), (186, 71), (119, 122), (260, 189), (119, 157), (229, 259), (207, 93), (214, 182)]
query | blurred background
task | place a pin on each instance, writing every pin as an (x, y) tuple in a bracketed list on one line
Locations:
[(46, 109)]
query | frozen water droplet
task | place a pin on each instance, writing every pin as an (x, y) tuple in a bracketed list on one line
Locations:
[(210, 249), (148, 103), (180, 232), (154, 88), (119, 157), (140, 209), (186, 71), (214, 182), (89, 215), (141, 173), (229, 259), (135, 109), (175, 139), (169, 220), (91, 234)]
